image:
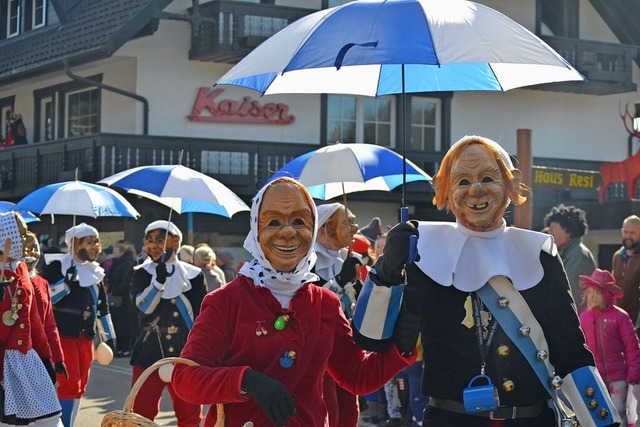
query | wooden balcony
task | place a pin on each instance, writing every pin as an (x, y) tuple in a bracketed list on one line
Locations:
[(244, 166), (607, 66), (238, 28)]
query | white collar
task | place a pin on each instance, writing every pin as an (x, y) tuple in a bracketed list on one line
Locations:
[(89, 272), (453, 255), (176, 283), (329, 262)]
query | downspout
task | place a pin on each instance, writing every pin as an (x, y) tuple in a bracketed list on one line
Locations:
[(145, 102)]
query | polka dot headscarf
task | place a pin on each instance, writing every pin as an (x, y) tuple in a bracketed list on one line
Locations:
[(282, 285), (9, 229)]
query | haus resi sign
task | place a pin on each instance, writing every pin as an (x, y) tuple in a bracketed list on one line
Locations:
[(210, 107)]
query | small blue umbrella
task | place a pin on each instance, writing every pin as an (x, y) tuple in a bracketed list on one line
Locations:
[(346, 168), (10, 206), (77, 198), (177, 181), (182, 205)]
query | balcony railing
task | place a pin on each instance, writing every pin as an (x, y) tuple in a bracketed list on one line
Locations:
[(244, 166), (607, 66), (239, 27)]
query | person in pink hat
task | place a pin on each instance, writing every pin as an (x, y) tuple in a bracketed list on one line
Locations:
[(610, 336)]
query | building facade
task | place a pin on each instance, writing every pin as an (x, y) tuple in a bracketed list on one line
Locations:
[(105, 85)]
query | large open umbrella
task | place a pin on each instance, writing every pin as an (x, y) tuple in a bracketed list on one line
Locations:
[(77, 198), (381, 47), (346, 168)]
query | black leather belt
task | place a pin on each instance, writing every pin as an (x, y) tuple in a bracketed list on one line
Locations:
[(502, 413)]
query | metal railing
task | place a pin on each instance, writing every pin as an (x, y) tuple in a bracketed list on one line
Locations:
[(244, 166)]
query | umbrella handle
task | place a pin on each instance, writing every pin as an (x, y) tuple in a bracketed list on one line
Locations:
[(413, 240)]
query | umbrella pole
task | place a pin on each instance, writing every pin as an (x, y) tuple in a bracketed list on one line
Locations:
[(344, 202), (404, 211)]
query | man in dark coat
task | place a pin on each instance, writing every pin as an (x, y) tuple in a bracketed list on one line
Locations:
[(492, 303)]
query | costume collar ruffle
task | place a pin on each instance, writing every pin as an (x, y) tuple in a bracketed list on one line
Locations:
[(176, 283), (453, 255), (89, 272)]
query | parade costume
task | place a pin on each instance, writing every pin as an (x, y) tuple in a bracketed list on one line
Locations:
[(45, 309), (28, 393), (342, 405), (278, 325), (79, 306), (523, 336), (166, 312)]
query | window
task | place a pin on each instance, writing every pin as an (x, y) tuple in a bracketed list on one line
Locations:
[(67, 110), (6, 105), (13, 18), (558, 18), (425, 116), (377, 121), (39, 13), (82, 113), (48, 118), (360, 119)]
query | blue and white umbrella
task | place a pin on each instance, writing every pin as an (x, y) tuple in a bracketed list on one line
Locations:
[(26, 215), (177, 181), (339, 169), (382, 47), (182, 205), (77, 198)]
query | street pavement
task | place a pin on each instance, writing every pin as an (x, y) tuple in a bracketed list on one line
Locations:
[(109, 387), (107, 391)]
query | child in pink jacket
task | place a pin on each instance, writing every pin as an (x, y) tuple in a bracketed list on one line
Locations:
[(611, 337)]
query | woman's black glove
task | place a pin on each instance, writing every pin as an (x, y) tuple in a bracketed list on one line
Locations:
[(272, 397), (349, 271), (61, 369), (390, 265), (50, 370)]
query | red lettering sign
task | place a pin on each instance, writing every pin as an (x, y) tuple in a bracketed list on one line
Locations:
[(246, 111)]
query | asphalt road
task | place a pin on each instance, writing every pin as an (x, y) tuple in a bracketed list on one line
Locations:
[(109, 387), (107, 391)]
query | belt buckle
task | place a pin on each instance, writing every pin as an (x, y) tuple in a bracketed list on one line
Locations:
[(492, 415), (172, 329)]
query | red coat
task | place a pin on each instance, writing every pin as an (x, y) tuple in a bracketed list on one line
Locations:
[(43, 301), (28, 330), (224, 340)]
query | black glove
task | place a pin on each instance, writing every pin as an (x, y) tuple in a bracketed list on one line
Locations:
[(71, 277), (161, 272), (112, 344), (61, 369), (272, 397), (348, 272), (390, 265), (50, 370)]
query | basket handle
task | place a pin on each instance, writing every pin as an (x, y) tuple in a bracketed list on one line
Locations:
[(128, 404)]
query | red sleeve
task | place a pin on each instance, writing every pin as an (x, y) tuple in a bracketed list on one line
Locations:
[(38, 338), (50, 327), (355, 370), (208, 340)]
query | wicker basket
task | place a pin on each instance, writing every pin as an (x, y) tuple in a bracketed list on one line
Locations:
[(128, 418)]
